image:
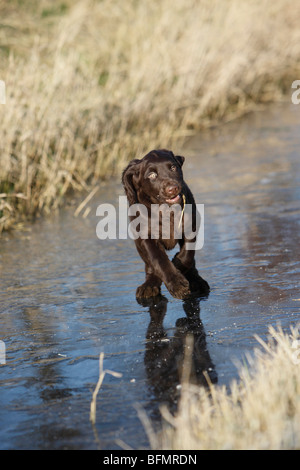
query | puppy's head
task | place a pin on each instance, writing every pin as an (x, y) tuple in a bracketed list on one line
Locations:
[(155, 179)]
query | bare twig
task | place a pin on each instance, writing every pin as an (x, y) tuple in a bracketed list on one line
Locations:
[(86, 200), (97, 388)]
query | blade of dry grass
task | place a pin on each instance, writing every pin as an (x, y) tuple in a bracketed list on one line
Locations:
[(102, 374)]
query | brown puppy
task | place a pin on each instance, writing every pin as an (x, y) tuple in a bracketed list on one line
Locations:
[(157, 179)]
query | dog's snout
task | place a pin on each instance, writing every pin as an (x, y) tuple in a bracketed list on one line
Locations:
[(172, 189)]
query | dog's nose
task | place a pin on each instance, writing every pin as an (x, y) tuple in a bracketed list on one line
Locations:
[(172, 190)]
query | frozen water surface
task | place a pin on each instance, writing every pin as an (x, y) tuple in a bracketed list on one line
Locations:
[(66, 296)]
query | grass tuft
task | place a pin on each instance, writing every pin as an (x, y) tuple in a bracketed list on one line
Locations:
[(261, 411)]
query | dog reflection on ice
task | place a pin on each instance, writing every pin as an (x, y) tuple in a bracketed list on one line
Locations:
[(184, 356)]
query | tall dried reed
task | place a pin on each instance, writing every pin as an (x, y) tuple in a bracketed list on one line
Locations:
[(261, 410), (91, 84)]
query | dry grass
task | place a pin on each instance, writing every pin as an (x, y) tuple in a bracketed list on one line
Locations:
[(261, 411), (91, 84), (102, 374)]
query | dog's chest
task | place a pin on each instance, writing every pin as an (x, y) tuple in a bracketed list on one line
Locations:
[(169, 231), (170, 243)]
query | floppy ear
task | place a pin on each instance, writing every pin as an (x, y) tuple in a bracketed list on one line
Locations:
[(129, 177), (179, 159)]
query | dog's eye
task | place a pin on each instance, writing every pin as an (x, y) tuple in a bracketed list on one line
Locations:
[(173, 168), (152, 175)]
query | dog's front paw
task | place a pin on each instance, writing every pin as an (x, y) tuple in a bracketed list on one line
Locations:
[(198, 285), (147, 290), (179, 287)]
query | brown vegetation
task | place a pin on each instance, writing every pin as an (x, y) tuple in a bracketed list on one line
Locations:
[(91, 84), (261, 410)]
